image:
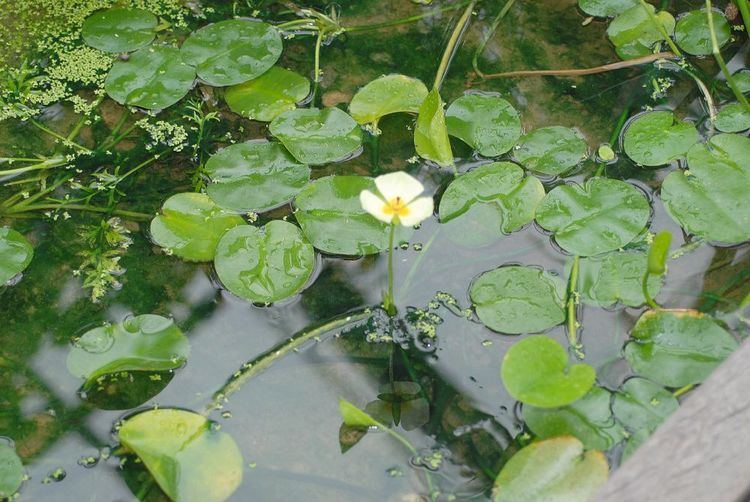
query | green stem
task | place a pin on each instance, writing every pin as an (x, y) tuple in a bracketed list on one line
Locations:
[(47, 164), (646, 294), (575, 343), (453, 42), (659, 26), (683, 390), (116, 129), (389, 304), (720, 59), (615, 134), (490, 33), (406, 285), (316, 72), (306, 23), (62, 138), (106, 146), (82, 121), (82, 207), (745, 11)]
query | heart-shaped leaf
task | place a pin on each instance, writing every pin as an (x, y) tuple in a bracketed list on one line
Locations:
[(431, 133), (489, 201), (634, 34), (733, 117), (589, 419), (254, 176), (517, 299), (485, 122), (677, 347), (354, 417), (264, 264), (555, 469), (152, 78), (742, 80), (233, 51), (119, 30), (15, 254), (605, 8), (142, 343), (386, 95), (616, 277), (536, 371), (710, 199), (601, 216), (264, 98), (190, 225), (643, 405), (11, 472), (333, 220), (551, 150), (189, 459), (655, 139), (693, 34), (316, 136)]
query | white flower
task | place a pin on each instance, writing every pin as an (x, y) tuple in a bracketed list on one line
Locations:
[(398, 200)]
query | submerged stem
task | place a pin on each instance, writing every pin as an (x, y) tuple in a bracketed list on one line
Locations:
[(490, 33), (572, 305), (389, 304), (720, 59), (453, 42)]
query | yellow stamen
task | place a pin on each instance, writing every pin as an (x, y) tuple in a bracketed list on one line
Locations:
[(396, 207)]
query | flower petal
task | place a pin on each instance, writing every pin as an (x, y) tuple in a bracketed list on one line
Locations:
[(374, 205), (399, 184), (419, 210)]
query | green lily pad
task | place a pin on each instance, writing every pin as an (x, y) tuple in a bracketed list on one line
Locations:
[(119, 30), (142, 343), (589, 419), (710, 199), (190, 226), (601, 216), (254, 176), (332, 218), (152, 78), (233, 51), (516, 299), (634, 442), (11, 471), (655, 139), (316, 136), (616, 277), (677, 347), (386, 95), (742, 80), (536, 371), (15, 254), (605, 8), (266, 97), (634, 34), (431, 133), (188, 458), (354, 417), (693, 34), (485, 122), (643, 405), (489, 201), (555, 469), (733, 117), (551, 150), (264, 264)]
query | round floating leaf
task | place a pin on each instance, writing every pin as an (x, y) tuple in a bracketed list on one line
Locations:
[(551, 150), (142, 343), (489, 201), (601, 216), (605, 8), (536, 371), (742, 80), (634, 34), (386, 95), (152, 78), (642, 405), (711, 200), (517, 299), (188, 458), (589, 419), (635, 442), (677, 347), (733, 117), (616, 277), (655, 139), (485, 122), (233, 51), (693, 34), (333, 220), (555, 469), (190, 225), (316, 136), (254, 176), (15, 254), (119, 30), (264, 264), (431, 133), (11, 472), (264, 98)]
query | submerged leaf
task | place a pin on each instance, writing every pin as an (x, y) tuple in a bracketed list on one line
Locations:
[(643, 405), (264, 98), (693, 34), (11, 472), (634, 34), (655, 139), (386, 95), (15, 254), (485, 122), (431, 133), (551, 150), (605, 8), (119, 29)]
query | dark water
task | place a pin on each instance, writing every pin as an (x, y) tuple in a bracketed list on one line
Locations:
[(286, 420)]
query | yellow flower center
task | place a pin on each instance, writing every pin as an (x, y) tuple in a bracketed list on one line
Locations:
[(396, 207)]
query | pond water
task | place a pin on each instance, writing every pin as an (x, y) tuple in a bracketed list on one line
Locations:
[(286, 420)]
